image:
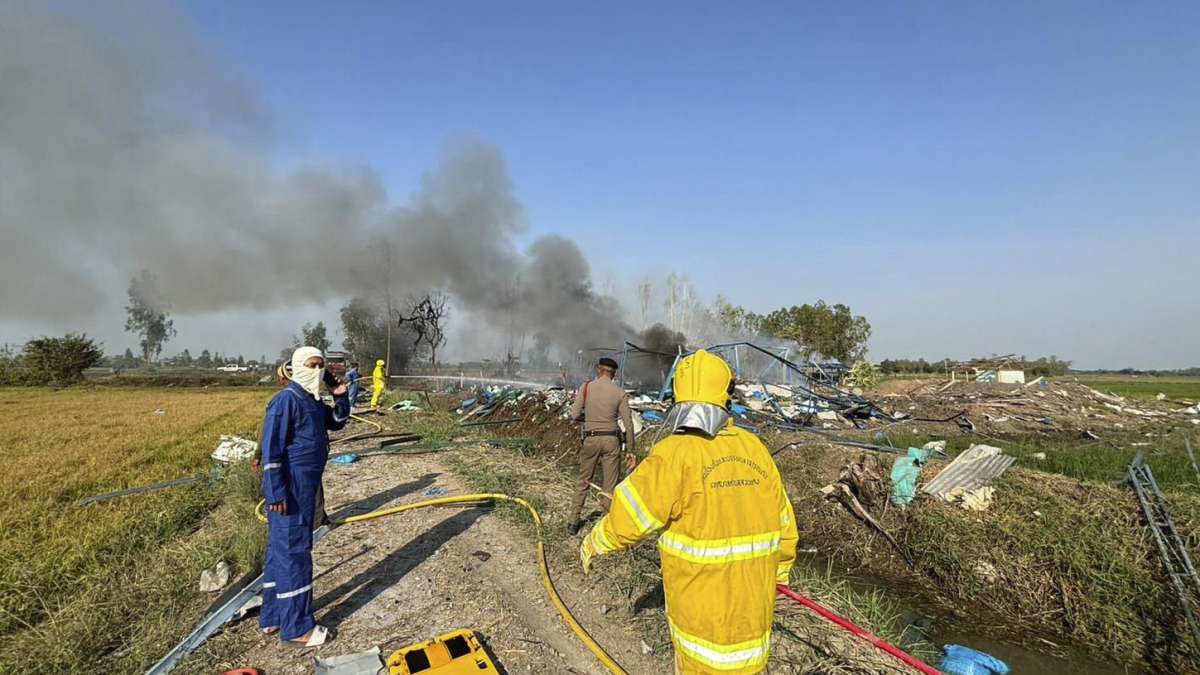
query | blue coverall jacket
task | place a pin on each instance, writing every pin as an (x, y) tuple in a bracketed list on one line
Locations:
[(352, 376), (295, 447)]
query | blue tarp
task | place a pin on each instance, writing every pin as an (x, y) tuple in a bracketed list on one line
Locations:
[(652, 416), (960, 660)]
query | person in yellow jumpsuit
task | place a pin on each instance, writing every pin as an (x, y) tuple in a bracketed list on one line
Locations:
[(727, 532), (377, 383)]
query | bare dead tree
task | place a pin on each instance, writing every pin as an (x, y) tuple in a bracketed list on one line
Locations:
[(427, 318)]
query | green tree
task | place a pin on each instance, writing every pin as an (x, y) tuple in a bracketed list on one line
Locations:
[(185, 358), (829, 330), (364, 335), (147, 316), (241, 361), (735, 320), (64, 359), (205, 360), (128, 360), (314, 336)]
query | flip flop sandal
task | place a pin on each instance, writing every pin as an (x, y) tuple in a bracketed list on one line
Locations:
[(319, 636), (270, 631)]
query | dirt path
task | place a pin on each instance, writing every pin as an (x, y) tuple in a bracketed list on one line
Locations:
[(395, 581)]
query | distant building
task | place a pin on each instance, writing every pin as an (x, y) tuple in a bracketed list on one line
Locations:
[(998, 369)]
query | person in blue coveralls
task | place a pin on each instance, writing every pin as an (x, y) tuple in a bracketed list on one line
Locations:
[(352, 377), (295, 447)]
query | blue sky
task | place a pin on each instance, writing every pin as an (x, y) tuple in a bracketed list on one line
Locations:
[(973, 177)]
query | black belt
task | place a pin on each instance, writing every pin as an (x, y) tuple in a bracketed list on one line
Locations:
[(602, 433)]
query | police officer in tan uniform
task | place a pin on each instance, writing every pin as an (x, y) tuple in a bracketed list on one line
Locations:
[(598, 404)]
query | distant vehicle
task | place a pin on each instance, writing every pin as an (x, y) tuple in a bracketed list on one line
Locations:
[(233, 368), (336, 363)]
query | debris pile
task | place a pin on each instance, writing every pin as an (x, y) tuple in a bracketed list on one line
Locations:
[(1039, 406)]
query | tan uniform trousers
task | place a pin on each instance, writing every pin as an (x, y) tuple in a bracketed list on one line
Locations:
[(602, 450)]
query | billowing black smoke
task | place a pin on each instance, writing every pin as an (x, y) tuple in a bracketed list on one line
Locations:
[(657, 347), (116, 156)]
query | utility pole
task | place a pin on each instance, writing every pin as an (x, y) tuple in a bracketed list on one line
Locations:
[(387, 290)]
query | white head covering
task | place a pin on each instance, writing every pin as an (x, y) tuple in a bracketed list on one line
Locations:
[(309, 378)]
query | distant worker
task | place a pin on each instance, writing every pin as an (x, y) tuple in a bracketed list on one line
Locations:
[(295, 447), (377, 383), (598, 405), (353, 376), (728, 533)]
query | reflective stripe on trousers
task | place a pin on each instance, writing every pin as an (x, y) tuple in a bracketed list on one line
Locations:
[(746, 654)]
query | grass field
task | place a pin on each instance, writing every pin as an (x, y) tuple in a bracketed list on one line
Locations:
[(102, 584), (1143, 387)]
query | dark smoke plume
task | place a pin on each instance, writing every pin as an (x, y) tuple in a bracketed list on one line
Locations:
[(121, 153)]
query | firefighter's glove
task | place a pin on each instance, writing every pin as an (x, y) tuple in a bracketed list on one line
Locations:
[(586, 553)]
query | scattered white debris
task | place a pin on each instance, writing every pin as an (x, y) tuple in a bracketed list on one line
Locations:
[(362, 663), (1038, 455), (978, 499), (215, 579), (234, 449), (646, 648)]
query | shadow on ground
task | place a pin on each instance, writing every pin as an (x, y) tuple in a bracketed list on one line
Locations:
[(365, 586), (379, 499)]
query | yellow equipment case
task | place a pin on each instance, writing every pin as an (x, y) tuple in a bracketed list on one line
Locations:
[(455, 653)]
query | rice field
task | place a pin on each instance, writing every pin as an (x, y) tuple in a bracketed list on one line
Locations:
[(82, 586)]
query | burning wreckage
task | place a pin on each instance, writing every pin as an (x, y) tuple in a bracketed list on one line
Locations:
[(775, 393), (770, 392)]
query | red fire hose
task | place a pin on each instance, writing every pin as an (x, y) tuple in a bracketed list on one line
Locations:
[(856, 630)]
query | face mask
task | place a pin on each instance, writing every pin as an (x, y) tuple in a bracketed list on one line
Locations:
[(308, 378)]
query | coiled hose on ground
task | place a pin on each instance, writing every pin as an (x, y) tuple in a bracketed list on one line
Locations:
[(598, 651)]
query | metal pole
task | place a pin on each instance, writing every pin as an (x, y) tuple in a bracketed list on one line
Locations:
[(1187, 443)]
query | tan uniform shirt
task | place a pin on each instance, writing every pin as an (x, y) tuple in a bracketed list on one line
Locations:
[(606, 402)]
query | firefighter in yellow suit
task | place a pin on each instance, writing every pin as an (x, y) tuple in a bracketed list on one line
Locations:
[(377, 383), (727, 533)]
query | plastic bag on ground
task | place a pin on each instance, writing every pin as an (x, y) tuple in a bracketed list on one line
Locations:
[(905, 472), (960, 660)]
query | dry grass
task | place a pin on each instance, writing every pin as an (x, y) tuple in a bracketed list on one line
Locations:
[(75, 581)]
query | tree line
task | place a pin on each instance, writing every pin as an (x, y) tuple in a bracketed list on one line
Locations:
[(1048, 366)]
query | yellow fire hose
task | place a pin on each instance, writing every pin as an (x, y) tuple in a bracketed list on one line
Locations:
[(377, 425), (601, 655)]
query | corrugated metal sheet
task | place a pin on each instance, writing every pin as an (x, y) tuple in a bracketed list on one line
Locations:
[(974, 468)]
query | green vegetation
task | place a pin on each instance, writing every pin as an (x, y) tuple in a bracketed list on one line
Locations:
[(815, 647), (1143, 387), (62, 360), (147, 316), (102, 587), (831, 331), (1075, 456), (1063, 560)]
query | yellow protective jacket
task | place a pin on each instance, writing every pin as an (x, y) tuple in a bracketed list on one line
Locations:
[(727, 536)]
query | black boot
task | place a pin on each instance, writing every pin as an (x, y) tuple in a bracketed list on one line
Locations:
[(574, 527)]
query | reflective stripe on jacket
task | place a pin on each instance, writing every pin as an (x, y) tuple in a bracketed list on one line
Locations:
[(728, 534)]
